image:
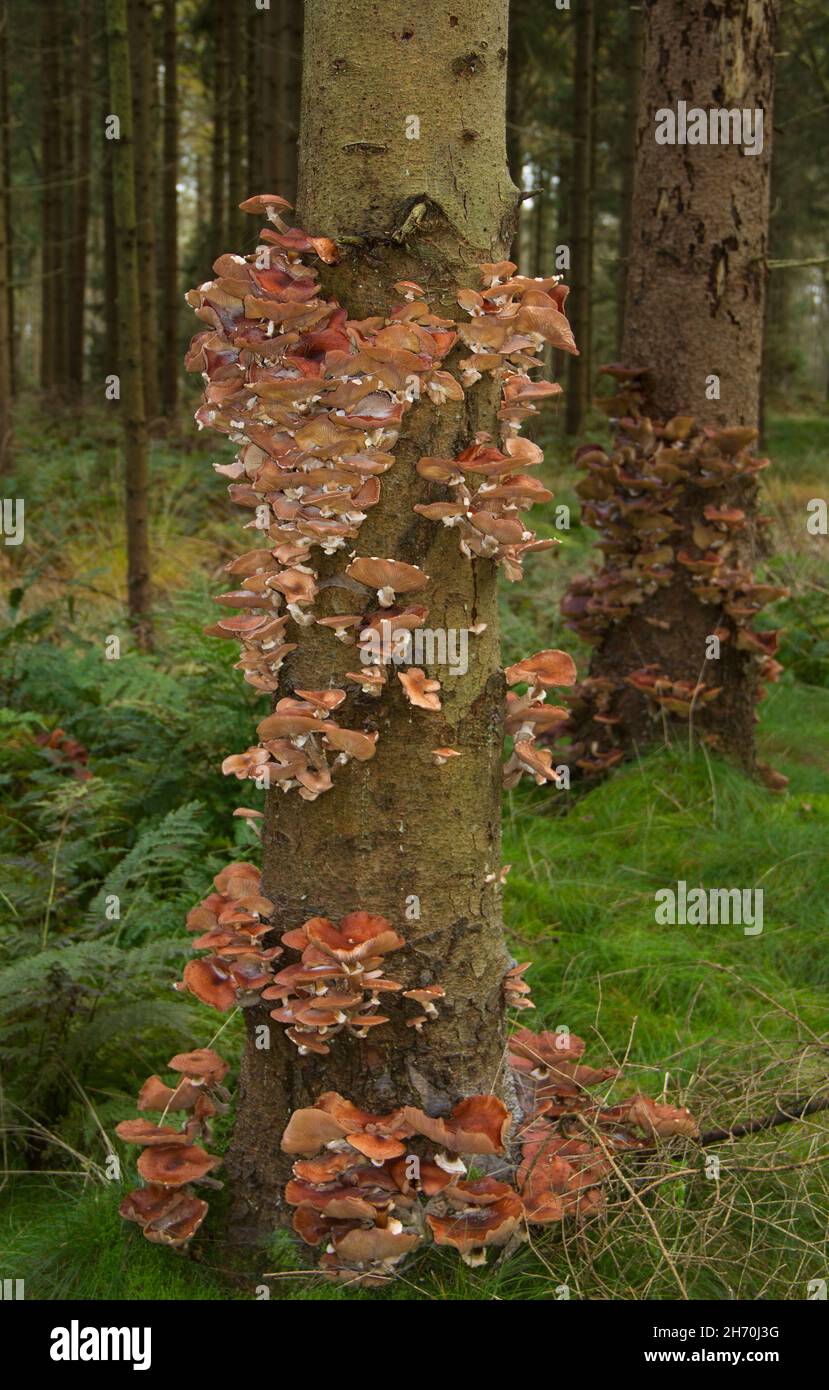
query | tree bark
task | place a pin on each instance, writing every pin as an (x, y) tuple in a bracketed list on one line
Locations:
[(50, 167), (6, 383), (218, 147), (7, 269), (81, 166), (694, 309), (130, 356), (581, 206), (255, 38), (632, 67), (395, 826), (234, 28), (170, 350), (145, 109), (289, 94), (108, 210)]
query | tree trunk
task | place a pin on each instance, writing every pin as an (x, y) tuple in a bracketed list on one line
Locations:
[(218, 155), (5, 259), (145, 109), (64, 137), (396, 828), (515, 63), (50, 164), (290, 90), (7, 268), (632, 67), (81, 167), (234, 29), (130, 356), (170, 352), (694, 312), (581, 206), (110, 245), (255, 41)]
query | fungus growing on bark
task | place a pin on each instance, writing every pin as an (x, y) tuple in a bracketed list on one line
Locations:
[(388, 577), (355, 1187), (489, 1213), (167, 1210), (420, 690), (335, 986), (645, 496)]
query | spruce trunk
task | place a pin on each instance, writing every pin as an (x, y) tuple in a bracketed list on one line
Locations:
[(396, 836), (694, 317), (581, 207), (129, 337)]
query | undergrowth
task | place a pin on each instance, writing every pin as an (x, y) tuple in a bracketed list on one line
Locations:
[(103, 850)]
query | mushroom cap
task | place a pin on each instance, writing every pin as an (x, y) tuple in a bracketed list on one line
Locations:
[(144, 1203), (178, 1222), (354, 742), (472, 1231), (146, 1133), (156, 1095), (377, 573), (544, 669), (420, 690), (173, 1165), (262, 201), (323, 699), (376, 1146), (365, 1246), (476, 1125), (202, 1064), (309, 1130), (210, 983)]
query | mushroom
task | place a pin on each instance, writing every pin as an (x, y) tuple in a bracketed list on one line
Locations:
[(443, 755), (173, 1165), (388, 577), (480, 1226), (420, 691), (543, 671)]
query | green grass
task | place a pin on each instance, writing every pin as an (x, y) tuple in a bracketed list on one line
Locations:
[(707, 1016)]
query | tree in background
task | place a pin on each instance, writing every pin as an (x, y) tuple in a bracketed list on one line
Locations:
[(145, 124), (670, 614), (130, 338), (581, 213), (168, 283), (632, 68), (6, 260)]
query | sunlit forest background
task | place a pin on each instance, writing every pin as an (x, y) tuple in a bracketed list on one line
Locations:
[(110, 766)]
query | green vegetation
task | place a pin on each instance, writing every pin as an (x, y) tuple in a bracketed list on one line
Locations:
[(717, 1020)]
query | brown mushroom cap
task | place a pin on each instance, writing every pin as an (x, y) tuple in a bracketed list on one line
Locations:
[(377, 573), (210, 983), (309, 1130), (203, 1064), (375, 1244), (178, 1222), (472, 1231), (156, 1095), (377, 1147), (544, 670), (477, 1125), (420, 691), (146, 1133), (174, 1165)]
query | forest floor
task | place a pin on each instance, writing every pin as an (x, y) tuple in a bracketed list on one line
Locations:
[(726, 1023)]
